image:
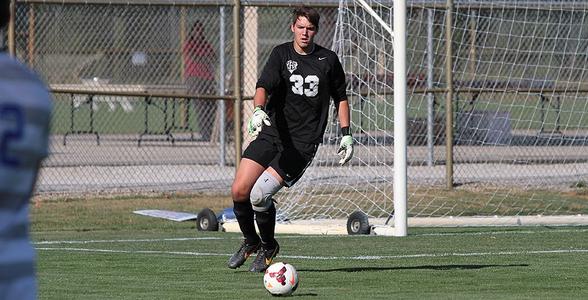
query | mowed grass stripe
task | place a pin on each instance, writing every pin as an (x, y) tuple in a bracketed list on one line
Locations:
[(179, 239), (366, 257)]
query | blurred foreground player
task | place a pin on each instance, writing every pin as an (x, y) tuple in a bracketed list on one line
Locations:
[(25, 108)]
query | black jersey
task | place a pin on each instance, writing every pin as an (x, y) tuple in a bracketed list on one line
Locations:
[(300, 88)]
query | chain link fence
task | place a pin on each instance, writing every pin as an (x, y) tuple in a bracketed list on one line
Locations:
[(144, 96), (143, 90)]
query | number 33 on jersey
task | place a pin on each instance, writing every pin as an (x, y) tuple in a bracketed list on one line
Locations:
[(298, 87)]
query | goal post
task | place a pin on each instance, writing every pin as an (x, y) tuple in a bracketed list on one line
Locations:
[(400, 129), (398, 37)]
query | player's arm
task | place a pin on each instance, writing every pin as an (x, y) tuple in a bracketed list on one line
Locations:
[(259, 117), (260, 97), (339, 93), (269, 79), (343, 112), (346, 146)]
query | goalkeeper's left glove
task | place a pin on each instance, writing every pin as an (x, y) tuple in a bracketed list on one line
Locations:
[(256, 121), (345, 149)]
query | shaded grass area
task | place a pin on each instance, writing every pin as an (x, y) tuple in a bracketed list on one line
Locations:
[(115, 213), (154, 115), (80, 214), (426, 201), (98, 249), (524, 111)]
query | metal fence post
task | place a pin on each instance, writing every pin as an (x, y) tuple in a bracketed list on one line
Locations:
[(237, 80), (449, 95)]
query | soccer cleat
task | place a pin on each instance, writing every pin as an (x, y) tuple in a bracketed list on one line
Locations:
[(239, 258), (264, 258)]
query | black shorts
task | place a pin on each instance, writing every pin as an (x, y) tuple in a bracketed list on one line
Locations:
[(289, 160)]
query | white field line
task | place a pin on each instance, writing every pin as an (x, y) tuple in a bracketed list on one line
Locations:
[(305, 236), (126, 241), (375, 257), (502, 232)]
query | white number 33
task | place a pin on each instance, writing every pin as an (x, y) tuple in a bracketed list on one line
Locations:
[(299, 81)]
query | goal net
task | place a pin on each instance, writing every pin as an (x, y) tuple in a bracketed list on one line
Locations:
[(518, 118)]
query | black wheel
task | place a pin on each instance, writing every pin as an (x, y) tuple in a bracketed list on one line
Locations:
[(357, 223), (206, 220)]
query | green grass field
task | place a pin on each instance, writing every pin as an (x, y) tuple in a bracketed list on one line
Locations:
[(117, 121), (98, 249)]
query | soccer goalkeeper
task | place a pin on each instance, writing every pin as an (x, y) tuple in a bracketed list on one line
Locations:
[(291, 101)]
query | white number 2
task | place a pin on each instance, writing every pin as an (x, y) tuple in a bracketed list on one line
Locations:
[(298, 85)]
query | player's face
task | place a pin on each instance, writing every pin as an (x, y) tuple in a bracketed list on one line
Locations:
[(304, 33)]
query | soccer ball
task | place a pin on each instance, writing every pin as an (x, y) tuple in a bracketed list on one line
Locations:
[(280, 279)]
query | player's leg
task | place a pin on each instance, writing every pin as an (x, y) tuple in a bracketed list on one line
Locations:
[(286, 168), (207, 117), (245, 177), (266, 186), (204, 110), (255, 160)]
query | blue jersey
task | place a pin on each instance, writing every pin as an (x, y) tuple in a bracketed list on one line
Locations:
[(25, 111)]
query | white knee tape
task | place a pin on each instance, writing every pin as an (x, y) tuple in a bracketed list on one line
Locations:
[(263, 190)]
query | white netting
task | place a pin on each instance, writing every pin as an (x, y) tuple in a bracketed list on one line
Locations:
[(520, 102)]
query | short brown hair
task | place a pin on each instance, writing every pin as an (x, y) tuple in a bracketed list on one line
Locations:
[(308, 12)]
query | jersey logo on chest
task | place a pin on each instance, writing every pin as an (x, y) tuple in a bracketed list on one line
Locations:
[(291, 66)]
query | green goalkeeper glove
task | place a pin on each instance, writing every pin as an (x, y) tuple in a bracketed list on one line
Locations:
[(345, 149), (256, 121)]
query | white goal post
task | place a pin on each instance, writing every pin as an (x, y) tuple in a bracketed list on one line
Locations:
[(399, 41), (400, 196)]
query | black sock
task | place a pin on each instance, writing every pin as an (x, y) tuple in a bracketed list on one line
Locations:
[(266, 223), (244, 214)]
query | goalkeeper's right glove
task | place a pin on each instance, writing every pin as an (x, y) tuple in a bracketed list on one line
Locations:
[(345, 149), (256, 121)]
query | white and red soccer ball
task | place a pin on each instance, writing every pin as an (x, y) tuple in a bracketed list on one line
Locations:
[(280, 279)]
